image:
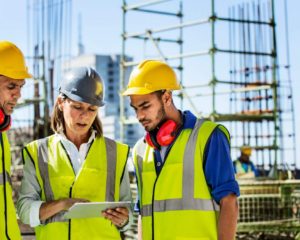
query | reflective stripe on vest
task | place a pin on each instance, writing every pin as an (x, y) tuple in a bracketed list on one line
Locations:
[(187, 202), (43, 165), (179, 204), (111, 151), (7, 177), (9, 228)]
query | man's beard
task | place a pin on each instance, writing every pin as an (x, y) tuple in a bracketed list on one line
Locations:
[(160, 117)]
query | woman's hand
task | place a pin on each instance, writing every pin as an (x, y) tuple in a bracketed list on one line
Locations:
[(118, 216)]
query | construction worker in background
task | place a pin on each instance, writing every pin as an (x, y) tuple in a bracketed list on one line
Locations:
[(186, 183), (76, 164), (243, 166), (13, 71)]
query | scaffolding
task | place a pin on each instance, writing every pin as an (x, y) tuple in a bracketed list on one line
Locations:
[(49, 36), (234, 78), (243, 89)]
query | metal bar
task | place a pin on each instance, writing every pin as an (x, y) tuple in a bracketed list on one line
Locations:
[(249, 64), (262, 14), (186, 24), (243, 21), (45, 90), (287, 47), (184, 55), (156, 12), (257, 73), (243, 63), (243, 117), (158, 39), (181, 50), (155, 44), (234, 75), (122, 72), (197, 86), (212, 54), (236, 90), (274, 81), (243, 83), (142, 4), (244, 52), (231, 60)]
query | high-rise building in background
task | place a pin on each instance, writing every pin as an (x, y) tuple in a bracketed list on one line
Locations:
[(108, 66)]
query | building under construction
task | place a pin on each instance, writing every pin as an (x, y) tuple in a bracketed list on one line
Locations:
[(234, 75)]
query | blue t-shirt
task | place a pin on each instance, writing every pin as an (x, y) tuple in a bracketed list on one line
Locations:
[(218, 166)]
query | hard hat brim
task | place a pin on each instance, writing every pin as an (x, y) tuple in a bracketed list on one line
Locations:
[(20, 75), (144, 91), (137, 91), (85, 100)]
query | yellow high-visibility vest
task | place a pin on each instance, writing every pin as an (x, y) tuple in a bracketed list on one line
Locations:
[(98, 180), (177, 204), (239, 167), (9, 228)]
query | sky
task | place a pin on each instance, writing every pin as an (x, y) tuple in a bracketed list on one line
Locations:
[(102, 28)]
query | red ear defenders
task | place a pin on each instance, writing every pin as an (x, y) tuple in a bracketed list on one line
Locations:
[(164, 136), (5, 121)]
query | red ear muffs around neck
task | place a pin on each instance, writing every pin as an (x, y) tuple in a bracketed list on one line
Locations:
[(165, 135), (151, 140), (5, 121)]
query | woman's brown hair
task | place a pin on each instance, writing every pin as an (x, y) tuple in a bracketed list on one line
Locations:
[(58, 122)]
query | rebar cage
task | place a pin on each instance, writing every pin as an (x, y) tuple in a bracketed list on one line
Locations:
[(267, 205)]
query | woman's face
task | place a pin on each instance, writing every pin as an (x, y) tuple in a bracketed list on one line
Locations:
[(78, 116)]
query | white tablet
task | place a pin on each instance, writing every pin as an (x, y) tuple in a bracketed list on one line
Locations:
[(92, 209)]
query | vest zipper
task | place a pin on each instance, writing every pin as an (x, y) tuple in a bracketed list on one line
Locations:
[(4, 187), (153, 207), (70, 192), (70, 196), (157, 176)]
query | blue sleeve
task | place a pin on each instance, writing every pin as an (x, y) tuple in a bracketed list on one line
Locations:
[(234, 167), (137, 205), (218, 168), (254, 169), (137, 202)]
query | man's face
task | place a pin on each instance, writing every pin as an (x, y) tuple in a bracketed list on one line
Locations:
[(149, 110), (10, 92)]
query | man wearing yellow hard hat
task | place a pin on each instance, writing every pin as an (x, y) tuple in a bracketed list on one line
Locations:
[(13, 71), (243, 166), (186, 183)]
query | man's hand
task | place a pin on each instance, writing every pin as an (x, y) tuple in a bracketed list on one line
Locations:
[(227, 223), (118, 216)]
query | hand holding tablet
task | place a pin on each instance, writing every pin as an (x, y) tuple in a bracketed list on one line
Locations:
[(93, 209)]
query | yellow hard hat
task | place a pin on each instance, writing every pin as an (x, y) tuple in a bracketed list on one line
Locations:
[(12, 61), (246, 150), (150, 76)]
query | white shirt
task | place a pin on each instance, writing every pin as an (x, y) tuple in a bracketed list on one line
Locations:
[(77, 156), (29, 202)]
